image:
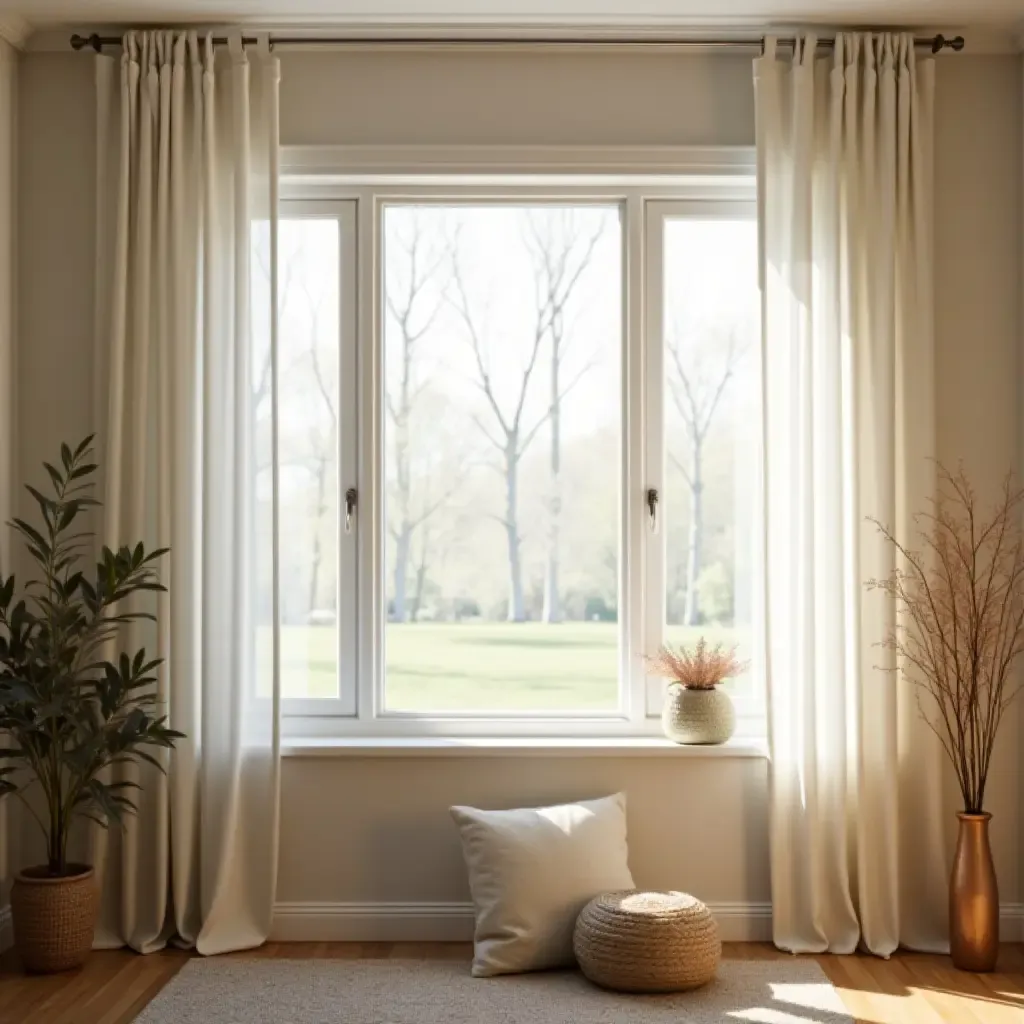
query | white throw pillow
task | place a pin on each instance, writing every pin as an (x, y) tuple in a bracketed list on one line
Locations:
[(532, 870)]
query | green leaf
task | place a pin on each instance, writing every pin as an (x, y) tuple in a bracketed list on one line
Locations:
[(47, 505), (67, 516), (66, 457), (84, 470), (83, 445), (55, 476), (32, 534)]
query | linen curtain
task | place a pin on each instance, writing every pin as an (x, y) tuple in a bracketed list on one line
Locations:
[(187, 201), (858, 855)]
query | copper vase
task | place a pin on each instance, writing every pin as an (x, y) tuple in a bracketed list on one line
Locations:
[(974, 898)]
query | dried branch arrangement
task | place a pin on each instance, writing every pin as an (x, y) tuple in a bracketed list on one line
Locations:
[(698, 668), (960, 621)]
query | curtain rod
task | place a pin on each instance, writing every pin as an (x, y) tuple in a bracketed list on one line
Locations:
[(96, 42)]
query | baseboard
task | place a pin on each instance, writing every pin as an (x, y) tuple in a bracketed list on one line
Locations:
[(452, 922)]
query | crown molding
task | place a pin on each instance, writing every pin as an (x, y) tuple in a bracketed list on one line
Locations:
[(15, 29)]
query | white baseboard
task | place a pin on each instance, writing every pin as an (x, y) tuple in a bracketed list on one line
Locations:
[(452, 922), (6, 929)]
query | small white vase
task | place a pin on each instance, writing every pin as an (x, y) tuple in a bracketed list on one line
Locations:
[(697, 716)]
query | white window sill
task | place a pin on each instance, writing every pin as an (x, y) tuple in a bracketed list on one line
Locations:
[(504, 746)]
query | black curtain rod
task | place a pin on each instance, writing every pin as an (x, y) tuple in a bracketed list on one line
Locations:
[(97, 42)]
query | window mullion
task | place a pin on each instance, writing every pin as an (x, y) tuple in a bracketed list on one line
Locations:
[(370, 659), (348, 427), (634, 388), (654, 437)]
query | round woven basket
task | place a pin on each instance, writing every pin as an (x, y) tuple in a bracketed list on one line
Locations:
[(54, 918), (647, 942)]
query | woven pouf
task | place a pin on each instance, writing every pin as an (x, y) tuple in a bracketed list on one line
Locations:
[(647, 942)]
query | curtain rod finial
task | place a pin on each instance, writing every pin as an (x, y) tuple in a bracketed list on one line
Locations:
[(956, 44), (81, 42)]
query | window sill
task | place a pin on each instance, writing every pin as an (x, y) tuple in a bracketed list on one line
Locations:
[(498, 746)]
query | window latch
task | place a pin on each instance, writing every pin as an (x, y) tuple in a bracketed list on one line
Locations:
[(350, 508), (652, 509)]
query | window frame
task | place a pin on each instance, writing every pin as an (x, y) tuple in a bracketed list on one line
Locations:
[(344, 212), (370, 178), (750, 709)]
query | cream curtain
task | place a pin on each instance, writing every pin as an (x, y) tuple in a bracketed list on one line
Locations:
[(187, 194), (8, 409), (845, 169)]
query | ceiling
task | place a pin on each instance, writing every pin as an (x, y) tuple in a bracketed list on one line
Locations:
[(681, 14)]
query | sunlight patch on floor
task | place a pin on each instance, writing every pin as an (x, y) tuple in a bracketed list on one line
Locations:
[(796, 1004)]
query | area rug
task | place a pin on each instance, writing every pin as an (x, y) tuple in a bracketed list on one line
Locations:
[(222, 991)]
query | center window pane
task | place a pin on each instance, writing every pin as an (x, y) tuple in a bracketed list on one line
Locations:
[(502, 426)]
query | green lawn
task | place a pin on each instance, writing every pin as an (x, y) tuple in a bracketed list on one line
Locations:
[(477, 666)]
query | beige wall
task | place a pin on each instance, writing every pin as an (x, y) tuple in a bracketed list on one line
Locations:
[(490, 98), (378, 829), (978, 279)]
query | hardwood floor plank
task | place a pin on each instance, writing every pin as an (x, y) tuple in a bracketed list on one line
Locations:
[(909, 988)]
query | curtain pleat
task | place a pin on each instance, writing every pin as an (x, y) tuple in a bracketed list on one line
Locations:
[(191, 191), (844, 154)]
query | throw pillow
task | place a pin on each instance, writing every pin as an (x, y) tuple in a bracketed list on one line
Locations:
[(532, 870)]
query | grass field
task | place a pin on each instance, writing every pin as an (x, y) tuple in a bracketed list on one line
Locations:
[(478, 666)]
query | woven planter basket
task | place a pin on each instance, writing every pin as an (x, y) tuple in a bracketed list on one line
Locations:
[(54, 918), (697, 716), (647, 942)]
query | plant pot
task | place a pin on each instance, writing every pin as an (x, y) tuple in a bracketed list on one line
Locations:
[(697, 716), (974, 898), (54, 918)]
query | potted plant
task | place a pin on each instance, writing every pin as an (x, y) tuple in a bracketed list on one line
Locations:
[(959, 631), (69, 709), (695, 709)]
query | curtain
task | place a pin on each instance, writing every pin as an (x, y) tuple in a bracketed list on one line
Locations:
[(187, 199), (858, 854), (8, 409)]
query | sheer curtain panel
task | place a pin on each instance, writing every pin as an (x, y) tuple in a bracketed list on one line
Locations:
[(845, 167), (187, 201)]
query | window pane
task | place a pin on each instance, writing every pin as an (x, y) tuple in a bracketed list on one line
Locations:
[(712, 418), (309, 257), (502, 351)]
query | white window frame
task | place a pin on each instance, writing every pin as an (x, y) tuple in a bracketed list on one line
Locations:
[(365, 180)]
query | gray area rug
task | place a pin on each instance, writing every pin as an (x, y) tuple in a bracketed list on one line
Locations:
[(222, 991)]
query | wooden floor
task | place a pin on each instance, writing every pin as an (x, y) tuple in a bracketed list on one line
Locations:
[(910, 988)]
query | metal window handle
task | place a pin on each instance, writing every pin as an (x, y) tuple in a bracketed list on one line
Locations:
[(350, 508), (652, 509)]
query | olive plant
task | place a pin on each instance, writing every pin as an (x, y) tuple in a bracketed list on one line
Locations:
[(71, 704)]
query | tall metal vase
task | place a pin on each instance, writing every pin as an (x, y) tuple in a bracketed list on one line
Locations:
[(974, 898)]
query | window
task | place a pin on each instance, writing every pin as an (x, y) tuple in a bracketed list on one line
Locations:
[(480, 383)]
